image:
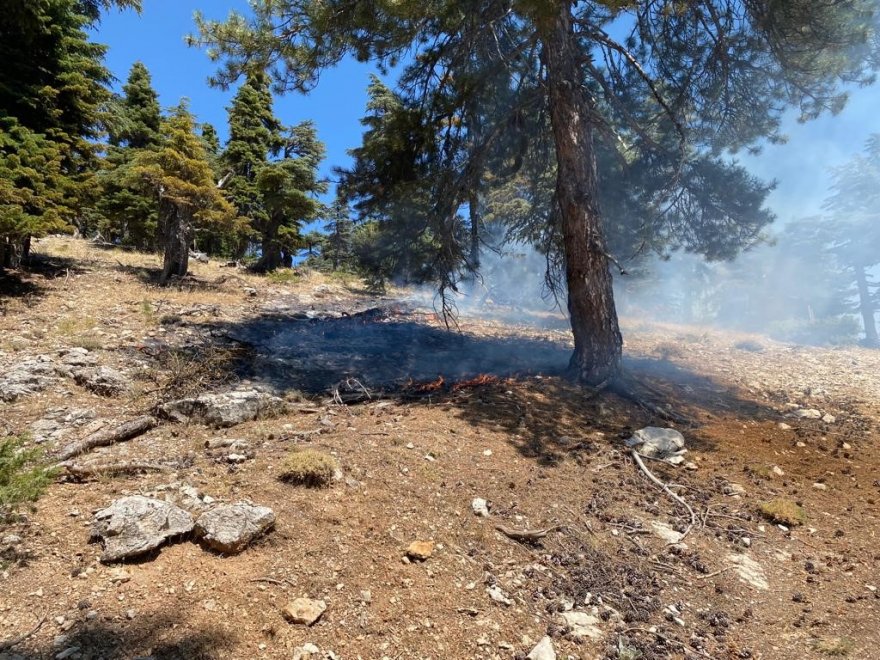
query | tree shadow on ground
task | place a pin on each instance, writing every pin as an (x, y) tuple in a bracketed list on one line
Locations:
[(391, 354), (25, 283), (157, 636)]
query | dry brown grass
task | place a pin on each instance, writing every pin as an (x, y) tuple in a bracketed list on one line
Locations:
[(309, 467), (783, 511)]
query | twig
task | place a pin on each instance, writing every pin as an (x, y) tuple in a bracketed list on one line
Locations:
[(530, 535), (638, 459), (713, 574), (15, 641)]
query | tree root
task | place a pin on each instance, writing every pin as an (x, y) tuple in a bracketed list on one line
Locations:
[(638, 459), (15, 641), (105, 437), (627, 387)]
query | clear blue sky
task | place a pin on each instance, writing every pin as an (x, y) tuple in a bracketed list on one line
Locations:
[(156, 37)]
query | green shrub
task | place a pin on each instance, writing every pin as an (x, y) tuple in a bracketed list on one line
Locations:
[(309, 468), (23, 477)]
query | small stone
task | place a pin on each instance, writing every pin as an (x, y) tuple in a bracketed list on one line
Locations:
[(543, 650), (784, 427), (306, 651), (778, 471), (304, 611), (582, 625), (59, 620), (130, 614), (846, 446), (808, 413), (829, 419), (410, 445), (496, 594), (236, 458), (820, 486), (480, 507), (69, 652), (119, 576), (487, 452), (420, 550)]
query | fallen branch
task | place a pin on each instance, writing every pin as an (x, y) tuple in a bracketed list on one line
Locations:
[(110, 469), (15, 641), (638, 459), (526, 535), (105, 437)]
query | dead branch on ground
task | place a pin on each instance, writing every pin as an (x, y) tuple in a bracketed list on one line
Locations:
[(638, 459), (130, 429)]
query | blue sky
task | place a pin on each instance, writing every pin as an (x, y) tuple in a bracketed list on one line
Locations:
[(156, 37)]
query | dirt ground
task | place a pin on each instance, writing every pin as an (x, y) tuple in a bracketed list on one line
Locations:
[(501, 425)]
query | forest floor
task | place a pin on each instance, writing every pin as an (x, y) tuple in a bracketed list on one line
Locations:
[(501, 426)]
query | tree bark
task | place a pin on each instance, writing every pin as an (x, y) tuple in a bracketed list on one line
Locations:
[(177, 235), (271, 257), (597, 340), (866, 307)]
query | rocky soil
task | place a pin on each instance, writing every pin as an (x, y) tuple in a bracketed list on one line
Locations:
[(483, 507)]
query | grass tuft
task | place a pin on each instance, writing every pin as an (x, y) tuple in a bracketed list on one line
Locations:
[(23, 478), (783, 511), (309, 468)]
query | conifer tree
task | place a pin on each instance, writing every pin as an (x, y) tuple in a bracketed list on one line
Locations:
[(339, 228), (179, 175), (661, 81), (52, 91), (130, 215)]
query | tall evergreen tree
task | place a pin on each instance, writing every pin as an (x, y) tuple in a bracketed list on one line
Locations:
[(661, 80), (853, 231), (130, 215), (339, 228), (51, 102), (181, 178)]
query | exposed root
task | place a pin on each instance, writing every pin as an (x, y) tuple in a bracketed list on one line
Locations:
[(131, 429), (626, 386), (110, 469), (15, 641), (638, 459)]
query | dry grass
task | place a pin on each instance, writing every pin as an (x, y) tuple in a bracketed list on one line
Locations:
[(783, 511), (836, 647), (309, 468)]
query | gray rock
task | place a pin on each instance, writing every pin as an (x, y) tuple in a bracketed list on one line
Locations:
[(27, 377), (661, 443), (223, 409), (134, 525), (543, 650), (807, 413), (100, 380), (480, 507), (582, 625), (229, 528)]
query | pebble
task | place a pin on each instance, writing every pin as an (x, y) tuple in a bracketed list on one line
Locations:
[(496, 594), (420, 550), (304, 611), (543, 650), (778, 471), (480, 507), (820, 486)]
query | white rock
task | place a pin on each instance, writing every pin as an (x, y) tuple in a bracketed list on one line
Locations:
[(480, 507), (749, 571), (496, 594), (582, 625), (543, 650), (656, 442)]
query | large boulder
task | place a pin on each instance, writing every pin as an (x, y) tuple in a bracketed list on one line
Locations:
[(134, 525), (223, 409), (230, 528)]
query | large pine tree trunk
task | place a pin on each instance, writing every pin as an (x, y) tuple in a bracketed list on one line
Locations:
[(866, 307), (270, 247), (597, 340), (177, 235)]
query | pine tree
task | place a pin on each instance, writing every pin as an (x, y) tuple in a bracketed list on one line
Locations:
[(181, 178), (662, 80), (51, 103), (275, 172), (130, 215), (339, 229)]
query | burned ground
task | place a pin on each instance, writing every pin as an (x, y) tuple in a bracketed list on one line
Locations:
[(501, 425)]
